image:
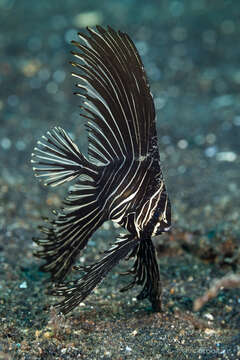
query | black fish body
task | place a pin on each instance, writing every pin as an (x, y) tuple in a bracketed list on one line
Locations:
[(120, 181)]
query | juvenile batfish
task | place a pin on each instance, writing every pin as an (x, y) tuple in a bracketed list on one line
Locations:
[(121, 180)]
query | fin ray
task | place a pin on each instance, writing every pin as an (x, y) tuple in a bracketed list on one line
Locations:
[(145, 272), (57, 159), (75, 292), (114, 73), (68, 233)]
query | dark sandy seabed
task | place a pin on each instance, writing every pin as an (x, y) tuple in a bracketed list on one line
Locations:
[(191, 53)]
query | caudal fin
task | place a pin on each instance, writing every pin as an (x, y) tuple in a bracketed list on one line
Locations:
[(57, 159), (76, 291)]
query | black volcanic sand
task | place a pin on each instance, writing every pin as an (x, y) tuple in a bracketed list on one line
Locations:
[(191, 53)]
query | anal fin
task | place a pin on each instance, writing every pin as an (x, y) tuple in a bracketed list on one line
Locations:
[(76, 291)]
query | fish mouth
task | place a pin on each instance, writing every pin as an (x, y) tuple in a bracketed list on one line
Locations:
[(166, 229), (162, 229)]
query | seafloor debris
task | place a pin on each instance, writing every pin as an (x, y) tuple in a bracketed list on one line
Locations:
[(229, 281)]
